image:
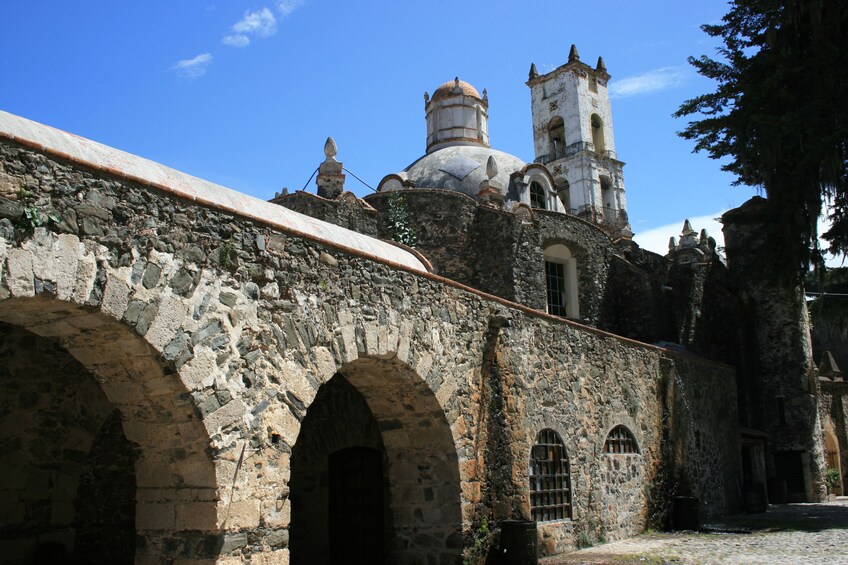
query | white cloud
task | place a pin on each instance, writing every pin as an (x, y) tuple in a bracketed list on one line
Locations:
[(236, 40), (656, 239), (193, 68), (259, 23), (286, 7), (652, 81)]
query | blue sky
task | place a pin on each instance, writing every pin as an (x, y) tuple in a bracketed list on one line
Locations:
[(245, 93)]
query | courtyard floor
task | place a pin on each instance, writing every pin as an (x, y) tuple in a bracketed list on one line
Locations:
[(786, 534)]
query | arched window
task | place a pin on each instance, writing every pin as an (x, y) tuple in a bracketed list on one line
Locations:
[(598, 133), (537, 196), (621, 440), (550, 479), (556, 138), (608, 198), (561, 281)]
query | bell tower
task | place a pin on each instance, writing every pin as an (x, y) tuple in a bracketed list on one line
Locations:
[(572, 136)]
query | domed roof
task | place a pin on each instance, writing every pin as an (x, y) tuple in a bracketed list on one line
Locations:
[(461, 168), (447, 90)]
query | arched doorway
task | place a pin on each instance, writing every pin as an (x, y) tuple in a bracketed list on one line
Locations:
[(375, 448), (105, 453), (831, 456)]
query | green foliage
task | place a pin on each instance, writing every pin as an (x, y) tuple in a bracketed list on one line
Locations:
[(227, 256), (830, 307), (481, 542), (584, 541), (33, 215), (831, 479), (397, 224), (779, 114)]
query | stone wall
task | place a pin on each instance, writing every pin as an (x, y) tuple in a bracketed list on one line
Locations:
[(213, 335), (346, 210), (778, 374), (501, 253), (703, 460)]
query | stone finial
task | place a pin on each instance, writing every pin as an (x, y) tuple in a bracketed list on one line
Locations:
[(704, 237), (601, 67), (426, 97), (687, 228), (330, 149), (485, 96), (491, 191), (573, 55), (456, 88), (672, 244), (330, 178), (491, 167), (534, 72)]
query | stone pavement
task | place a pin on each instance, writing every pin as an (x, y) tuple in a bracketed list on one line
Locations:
[(786, 534)]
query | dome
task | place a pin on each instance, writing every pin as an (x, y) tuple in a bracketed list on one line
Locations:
[(447, 90), (461, 168)]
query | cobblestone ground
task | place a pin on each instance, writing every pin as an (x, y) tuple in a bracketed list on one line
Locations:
[(786, 534)]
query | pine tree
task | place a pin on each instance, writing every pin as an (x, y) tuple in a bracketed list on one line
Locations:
[(780, 114)]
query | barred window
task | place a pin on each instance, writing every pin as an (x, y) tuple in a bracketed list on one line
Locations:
[(537, 196), (561, 281), (621, 440), (550, 481), (555, 286)]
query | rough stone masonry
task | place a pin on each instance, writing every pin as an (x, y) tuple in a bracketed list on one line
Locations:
[(193, 365)]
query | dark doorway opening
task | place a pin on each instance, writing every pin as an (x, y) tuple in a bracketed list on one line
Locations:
[(338, 485), (789, 466), (356, 506)]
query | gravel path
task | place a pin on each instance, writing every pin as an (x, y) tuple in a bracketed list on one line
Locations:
[(786, 534)]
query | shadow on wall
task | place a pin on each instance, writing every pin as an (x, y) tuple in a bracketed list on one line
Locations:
[(105, 454), (375, 418)]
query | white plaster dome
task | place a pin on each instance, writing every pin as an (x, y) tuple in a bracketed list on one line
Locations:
[(459, 167)]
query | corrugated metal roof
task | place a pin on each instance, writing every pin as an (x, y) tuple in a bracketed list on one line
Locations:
[(98, 156)]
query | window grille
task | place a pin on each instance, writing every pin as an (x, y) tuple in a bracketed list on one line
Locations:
[(537, 196), (550, 481), (555, 285), (620, 440)]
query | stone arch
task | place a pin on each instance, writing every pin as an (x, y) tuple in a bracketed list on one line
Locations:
[(60, 290), (393, 409), (597, 125), (621, 476), (556, 138), (175, 479), (538, 195), (832, 453)]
